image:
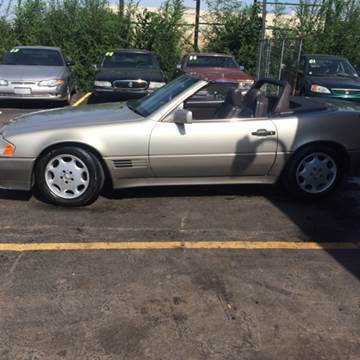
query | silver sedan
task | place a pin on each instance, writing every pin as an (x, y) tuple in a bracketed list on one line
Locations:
[(34, 72), (190, 132)]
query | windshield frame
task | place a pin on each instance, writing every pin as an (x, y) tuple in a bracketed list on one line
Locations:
[(224, 57), (353, 73), (18, 51), (155, 63)]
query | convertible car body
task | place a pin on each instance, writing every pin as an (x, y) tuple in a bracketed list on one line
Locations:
[(185, 133)]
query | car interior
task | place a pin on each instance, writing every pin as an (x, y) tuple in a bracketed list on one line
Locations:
[(266, 98)]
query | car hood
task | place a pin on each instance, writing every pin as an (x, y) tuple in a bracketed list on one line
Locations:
[(28, 72), (219, 73), (336, 82), (90, 115), (111, 74)]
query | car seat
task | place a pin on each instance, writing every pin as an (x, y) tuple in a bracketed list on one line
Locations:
[(232, 106)]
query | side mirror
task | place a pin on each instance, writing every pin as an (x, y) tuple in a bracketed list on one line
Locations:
[(242, 68), (70, 63), (183, 116), (178, 66), (94, 66)]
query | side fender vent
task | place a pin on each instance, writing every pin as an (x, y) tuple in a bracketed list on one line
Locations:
[(130, 163)]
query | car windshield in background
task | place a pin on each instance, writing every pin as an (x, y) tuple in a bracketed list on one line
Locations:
[(41, 57), (211, 61), (330, 67), (129, 60), (147, 105)]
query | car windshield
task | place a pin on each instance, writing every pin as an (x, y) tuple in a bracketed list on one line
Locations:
[(149, 104), (211, 61), (330, 67), (129, 60), (40, 57)]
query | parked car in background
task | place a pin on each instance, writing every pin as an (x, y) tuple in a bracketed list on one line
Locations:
[(328, 76), (129, 73), (216, 66), (36, 72)]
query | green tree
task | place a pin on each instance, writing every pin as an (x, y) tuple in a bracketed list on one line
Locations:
[(234, 29), (162, 33)]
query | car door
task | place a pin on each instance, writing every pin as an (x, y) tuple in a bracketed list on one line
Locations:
[(213, 148)]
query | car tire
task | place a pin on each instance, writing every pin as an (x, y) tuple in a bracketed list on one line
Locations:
[(69, 94), (313, 172), (69, 176)]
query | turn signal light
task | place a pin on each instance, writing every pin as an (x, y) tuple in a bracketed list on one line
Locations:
[(9, 150)]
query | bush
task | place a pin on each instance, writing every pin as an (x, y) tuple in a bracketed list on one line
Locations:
[(162, 33), (331, 28), (235, 30), (87, 29)]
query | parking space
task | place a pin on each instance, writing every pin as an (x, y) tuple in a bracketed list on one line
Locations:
[(287, 300)]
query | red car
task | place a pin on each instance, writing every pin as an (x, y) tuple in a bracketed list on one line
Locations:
[(216, 66)]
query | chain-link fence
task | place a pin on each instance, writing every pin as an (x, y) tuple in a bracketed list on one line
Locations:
[(279, 59)]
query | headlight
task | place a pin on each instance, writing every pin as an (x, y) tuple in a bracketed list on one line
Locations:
[(155, 85), (6, 148), (320, 89), (3, 83), (245, 84), (51, 83), (102, 83)]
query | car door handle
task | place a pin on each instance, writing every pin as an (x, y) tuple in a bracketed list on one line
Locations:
[(263, 132)]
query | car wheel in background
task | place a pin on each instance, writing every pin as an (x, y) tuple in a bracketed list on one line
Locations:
[(313, 172), (68, 97), (69, 176)]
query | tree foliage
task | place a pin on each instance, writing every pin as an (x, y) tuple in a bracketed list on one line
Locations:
[(162, 33), (87, 29), (332, 27), (234, 29)]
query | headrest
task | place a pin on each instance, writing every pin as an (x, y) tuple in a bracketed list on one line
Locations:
[(251, 96), (234, 97)]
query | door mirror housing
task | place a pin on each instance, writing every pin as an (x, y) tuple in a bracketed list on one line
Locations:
[(70, 63), (242, 68), (95, 67), (178, 66), (183, 116)]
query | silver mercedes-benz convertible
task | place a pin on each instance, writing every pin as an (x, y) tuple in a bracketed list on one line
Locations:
[(189, 132)]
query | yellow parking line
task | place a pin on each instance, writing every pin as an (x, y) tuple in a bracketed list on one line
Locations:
[(77, 103), (168, 245)]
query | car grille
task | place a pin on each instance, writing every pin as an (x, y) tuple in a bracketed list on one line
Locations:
[(131, 84), (23, 82), (346, 91)]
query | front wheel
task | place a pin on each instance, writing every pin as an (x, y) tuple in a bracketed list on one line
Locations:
[(69, 176), (314, 172)]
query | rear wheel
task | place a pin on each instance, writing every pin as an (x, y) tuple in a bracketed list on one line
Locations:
[(314, 172), (69, 176)]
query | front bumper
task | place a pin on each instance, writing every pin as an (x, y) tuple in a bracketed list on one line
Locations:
[(33, 92), (16, 173), (335, 97)]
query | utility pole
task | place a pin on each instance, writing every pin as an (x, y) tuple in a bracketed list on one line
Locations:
[(262, 38), (197, 21)]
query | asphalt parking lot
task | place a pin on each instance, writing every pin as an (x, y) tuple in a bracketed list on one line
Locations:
[(295, 297)]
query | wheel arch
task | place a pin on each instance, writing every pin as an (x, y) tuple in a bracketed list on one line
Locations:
[(96, 153)]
